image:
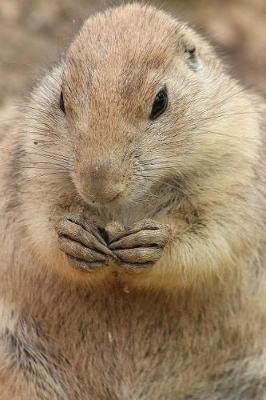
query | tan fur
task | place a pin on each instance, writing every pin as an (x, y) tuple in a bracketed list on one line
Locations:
[(193, 325)]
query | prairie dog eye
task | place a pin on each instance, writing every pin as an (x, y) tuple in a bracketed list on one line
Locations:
[(61, 103), (160, 104)]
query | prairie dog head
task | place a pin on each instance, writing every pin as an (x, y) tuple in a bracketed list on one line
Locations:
[(139, 109), (128, 82)]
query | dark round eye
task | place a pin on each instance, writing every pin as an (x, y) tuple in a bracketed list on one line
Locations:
[(160, 104), (61, 103)]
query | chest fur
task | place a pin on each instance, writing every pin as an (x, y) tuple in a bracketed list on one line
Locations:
[(129, 345)]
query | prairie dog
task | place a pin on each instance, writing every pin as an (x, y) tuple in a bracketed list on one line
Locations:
[(133, 212)]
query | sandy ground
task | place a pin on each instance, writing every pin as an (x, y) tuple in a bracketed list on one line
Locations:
[(35, 33)]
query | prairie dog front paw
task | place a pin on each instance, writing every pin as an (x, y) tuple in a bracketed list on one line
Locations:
[(82, 243), (140, 246)]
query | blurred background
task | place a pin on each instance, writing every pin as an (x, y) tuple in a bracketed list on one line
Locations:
[(34, 33)]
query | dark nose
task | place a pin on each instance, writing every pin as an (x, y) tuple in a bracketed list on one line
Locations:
[(104, 183)]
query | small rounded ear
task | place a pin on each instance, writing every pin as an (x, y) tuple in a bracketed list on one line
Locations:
[(190, 54), (196, 51)]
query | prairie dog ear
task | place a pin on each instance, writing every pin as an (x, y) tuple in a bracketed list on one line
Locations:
[(195, 50), (191, 55), (188, 49)]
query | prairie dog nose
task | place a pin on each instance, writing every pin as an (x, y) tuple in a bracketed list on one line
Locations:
[(103, 191), (103, 182)]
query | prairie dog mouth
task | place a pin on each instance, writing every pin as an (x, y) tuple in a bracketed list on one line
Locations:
[(128, 212)]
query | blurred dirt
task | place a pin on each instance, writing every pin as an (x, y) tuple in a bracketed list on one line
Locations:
[(34, 34)]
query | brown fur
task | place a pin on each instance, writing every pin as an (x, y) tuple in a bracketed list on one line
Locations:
[(192, 326)]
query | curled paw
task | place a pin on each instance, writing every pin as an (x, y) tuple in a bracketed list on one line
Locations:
[(82, 243), (140, 246)]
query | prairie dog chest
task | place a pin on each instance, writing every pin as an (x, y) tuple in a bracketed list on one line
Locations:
[(121, 338)]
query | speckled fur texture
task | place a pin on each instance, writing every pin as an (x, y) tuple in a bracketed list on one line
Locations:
[(189, 327)]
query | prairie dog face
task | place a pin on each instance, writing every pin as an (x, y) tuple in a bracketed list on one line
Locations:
[(143, 103)]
